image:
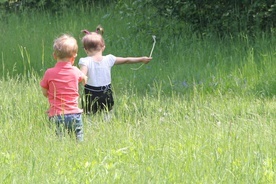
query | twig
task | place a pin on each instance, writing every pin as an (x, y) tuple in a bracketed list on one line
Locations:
[(154, 41)]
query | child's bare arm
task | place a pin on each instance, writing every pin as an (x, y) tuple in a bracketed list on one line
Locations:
[(84, 79), (130, 60), (84, 70), (44, 91)]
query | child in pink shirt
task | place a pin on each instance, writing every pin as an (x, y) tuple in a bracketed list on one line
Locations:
[(60, 86)]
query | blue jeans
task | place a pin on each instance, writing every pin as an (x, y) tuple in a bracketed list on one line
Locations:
[(72, 123)]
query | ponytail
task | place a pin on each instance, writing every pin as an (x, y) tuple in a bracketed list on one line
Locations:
[(100, 30)]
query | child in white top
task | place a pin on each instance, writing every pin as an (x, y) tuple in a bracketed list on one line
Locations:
[(98, 92)]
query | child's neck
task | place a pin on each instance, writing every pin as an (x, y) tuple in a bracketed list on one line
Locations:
[(97, 56), (71, 60)]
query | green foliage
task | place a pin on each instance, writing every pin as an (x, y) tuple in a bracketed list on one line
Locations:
[(181, 62), (142, 17), (222, 16), (46, 5)]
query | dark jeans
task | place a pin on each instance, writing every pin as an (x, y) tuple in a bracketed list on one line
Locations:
[(70, 123), (97, 99)]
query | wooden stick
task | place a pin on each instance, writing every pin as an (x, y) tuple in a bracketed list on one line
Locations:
[(154, 41)]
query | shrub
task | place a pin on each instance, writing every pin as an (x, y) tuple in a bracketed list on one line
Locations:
[(221, 16)]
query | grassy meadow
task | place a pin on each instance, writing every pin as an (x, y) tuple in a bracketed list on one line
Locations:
[(203, 111)]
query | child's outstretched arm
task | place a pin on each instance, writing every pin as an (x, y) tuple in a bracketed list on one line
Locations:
[(132, 60)]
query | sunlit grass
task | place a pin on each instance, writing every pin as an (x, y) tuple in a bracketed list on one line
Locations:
[(173, 139)]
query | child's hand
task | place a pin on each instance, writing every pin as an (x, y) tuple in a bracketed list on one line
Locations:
[(146, 59), (84, 81)]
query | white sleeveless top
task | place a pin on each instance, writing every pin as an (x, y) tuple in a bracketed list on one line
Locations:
[(98, 73)]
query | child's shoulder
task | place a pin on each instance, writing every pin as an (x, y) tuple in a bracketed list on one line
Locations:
[(110, 59), (110, 56), (84, 60)]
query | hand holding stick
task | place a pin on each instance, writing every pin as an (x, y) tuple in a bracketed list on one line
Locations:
[(154, 41)]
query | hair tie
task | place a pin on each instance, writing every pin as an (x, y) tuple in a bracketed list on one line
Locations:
[(99, 30), (86, 31)]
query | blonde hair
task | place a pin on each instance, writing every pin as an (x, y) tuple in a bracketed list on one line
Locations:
[(65, 46), (93, 41)]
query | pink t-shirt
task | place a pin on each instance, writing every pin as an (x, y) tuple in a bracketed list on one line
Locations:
[(62, 82)]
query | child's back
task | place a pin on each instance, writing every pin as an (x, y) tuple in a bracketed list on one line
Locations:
[(60, 86)]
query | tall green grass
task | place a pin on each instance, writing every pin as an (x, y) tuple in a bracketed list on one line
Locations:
[(203, 111), (151, 139)]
